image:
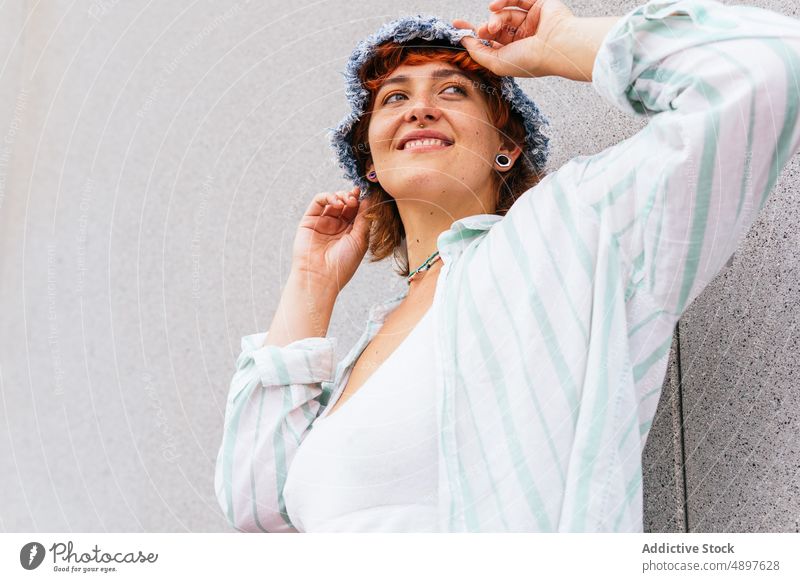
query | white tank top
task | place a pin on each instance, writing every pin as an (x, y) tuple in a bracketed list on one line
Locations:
[(372, 465)]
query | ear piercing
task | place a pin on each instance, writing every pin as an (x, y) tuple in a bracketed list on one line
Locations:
[(502, 160), (372, 175)]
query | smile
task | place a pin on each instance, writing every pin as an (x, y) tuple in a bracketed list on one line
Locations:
[(425, 145)]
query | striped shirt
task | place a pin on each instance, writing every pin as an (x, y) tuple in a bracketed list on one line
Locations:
[(554, 322)]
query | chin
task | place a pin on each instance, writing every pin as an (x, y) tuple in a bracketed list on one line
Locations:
[(425, 179)]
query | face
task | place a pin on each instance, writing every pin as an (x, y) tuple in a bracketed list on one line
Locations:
[(445, 101)]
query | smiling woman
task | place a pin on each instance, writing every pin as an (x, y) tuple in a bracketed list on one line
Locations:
[(443, 90), (512, 389)]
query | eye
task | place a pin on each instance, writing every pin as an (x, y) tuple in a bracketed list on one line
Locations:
[(458, 86), (387, 100)]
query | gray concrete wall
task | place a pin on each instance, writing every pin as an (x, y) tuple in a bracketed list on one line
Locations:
[(155, 160)]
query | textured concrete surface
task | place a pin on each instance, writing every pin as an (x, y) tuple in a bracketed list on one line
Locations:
[(663, 482), (739, 352), (156, 159)]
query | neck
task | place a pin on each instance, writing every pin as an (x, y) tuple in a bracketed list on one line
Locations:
[(423, 223), (421, 243)]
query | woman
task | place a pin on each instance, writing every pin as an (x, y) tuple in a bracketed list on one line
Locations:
[(540, 309)]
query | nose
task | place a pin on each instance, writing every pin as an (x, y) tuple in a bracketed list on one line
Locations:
[(420, 111)]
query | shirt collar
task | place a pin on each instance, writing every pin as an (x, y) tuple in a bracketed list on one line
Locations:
[(451, 242)]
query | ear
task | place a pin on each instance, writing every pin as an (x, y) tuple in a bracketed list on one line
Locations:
[(370, 166), (510, 149)]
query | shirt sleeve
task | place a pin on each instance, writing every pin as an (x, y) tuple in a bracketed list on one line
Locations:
[(272, 402), (720, 87)]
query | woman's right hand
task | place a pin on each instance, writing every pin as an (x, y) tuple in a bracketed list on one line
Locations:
[(332, 237), (521, 34)]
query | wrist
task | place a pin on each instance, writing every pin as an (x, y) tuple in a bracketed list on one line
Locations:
[(316, 287), (304, 310), (573, 46)]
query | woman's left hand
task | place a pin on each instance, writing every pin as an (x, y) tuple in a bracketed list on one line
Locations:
[(520, 39)]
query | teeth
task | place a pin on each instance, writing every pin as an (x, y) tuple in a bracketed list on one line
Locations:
[(423, 142)]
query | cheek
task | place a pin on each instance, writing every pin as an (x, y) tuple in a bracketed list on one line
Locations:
[(477, 133), (379, 134)]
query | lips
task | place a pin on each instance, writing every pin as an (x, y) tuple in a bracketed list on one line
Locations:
[(424, 134)]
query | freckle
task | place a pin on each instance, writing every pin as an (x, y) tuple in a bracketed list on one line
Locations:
[(417, 240)]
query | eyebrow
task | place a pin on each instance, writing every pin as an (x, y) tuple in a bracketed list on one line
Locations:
[(437, 74)]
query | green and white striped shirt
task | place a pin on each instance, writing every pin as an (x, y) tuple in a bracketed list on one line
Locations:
[(554, 322)]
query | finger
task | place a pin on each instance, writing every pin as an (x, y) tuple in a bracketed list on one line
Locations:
[(459, 23), (480, 31), (483, 32), (328, 209), (349, 202), (333, 203), (326, 204), (508, 25), (317, 205), (483, 55), (340, 203), (496, 22), (361, 226), (350, 207), (500, 4)]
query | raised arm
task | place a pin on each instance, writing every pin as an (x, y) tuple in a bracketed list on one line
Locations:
[(721, 85), (662, 212)]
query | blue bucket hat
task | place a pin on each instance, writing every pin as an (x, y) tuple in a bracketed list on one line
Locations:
[(429, 28)]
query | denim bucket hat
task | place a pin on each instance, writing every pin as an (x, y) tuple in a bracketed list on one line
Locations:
[(429, 28)]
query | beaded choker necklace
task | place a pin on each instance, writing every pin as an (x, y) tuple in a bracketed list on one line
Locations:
[(424, 266)]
